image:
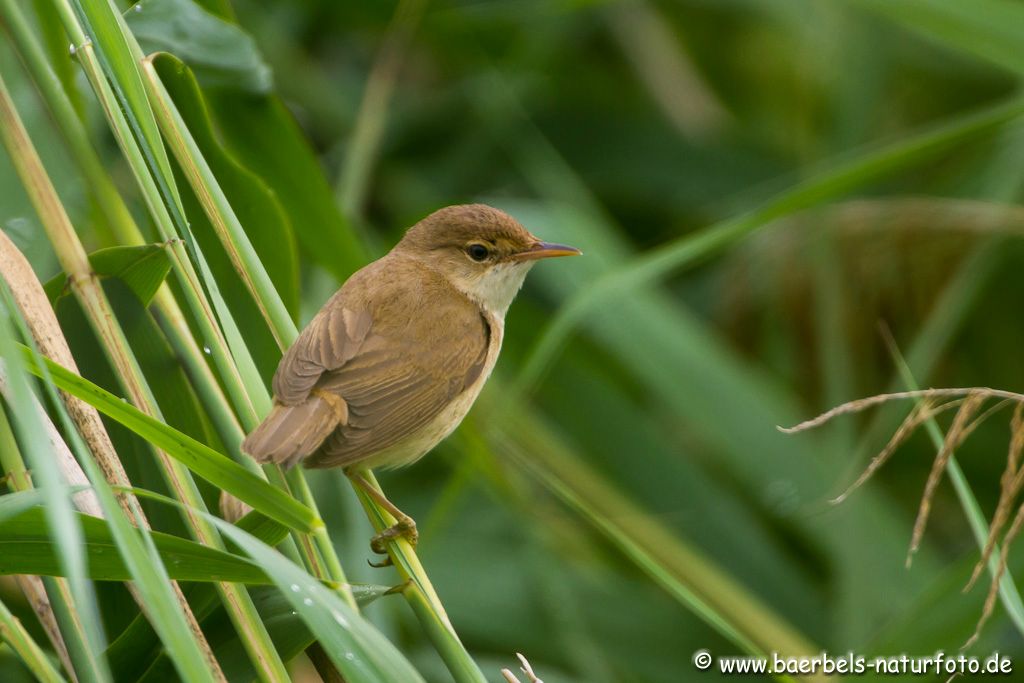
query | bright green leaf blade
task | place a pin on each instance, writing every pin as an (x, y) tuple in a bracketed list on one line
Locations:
[(138, 647), (221, 54), (263, 528), (136, 547), (142, 268), (31, 655), (216, 468), (358, 650), (108, 34), (26, 548), (175, 396), (286, 628), (215, 203)]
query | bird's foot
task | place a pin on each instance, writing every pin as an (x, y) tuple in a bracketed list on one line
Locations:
[(405, 528)]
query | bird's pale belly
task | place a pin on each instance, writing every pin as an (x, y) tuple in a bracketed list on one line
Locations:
[(422, 441)]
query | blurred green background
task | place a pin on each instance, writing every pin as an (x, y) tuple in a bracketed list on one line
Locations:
[(625, 128)]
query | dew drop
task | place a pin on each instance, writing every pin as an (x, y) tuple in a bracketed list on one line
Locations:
[(350, 657), (138, 7), (342, 621), (295, 588), (308, 602), (206, 350), (71, 48)]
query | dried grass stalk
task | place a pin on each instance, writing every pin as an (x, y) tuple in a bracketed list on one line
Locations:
[(863, 404), (920, 414), (993, 588), (954, 437), (35, 309), (525, 667), (1010, 486), (969, 401)]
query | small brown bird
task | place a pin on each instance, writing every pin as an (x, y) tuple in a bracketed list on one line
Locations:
[(394, 360)]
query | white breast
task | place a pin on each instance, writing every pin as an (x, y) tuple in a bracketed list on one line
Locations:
[(422, 441)]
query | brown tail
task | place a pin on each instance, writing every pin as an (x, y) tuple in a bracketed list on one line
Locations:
[(290, 433)]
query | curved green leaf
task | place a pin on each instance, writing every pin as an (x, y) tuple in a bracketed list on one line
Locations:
[(216, 468), (142, 268), (359, 651), (286, 628), (26, 548)]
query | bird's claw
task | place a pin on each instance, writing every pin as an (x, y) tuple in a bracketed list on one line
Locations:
[(403, 528)]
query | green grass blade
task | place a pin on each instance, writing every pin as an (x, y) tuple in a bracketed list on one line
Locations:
[(141, 268), (15, 635), (218, 209), (106, 29), (359, 652), (259, 209), (137, 549), (82, 631), (19, 502), (26, 548), (355, 646), (216, 468)]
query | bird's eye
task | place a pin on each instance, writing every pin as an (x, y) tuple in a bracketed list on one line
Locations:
[(478, 252)]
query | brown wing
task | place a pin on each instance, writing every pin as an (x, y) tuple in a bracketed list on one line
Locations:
[(396, 350), (300, 420), (398, 382), (331, 339)]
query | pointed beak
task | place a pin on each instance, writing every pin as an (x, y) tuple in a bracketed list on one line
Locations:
[(539, 250)]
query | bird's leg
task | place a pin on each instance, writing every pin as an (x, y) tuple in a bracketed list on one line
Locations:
[(404, 526)]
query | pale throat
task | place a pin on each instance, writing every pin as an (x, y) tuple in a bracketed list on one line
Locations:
[(496, 287)]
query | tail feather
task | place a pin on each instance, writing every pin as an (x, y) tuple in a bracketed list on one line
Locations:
[(290, 433)]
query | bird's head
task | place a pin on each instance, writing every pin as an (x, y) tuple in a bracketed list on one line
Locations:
[(483, 252)]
